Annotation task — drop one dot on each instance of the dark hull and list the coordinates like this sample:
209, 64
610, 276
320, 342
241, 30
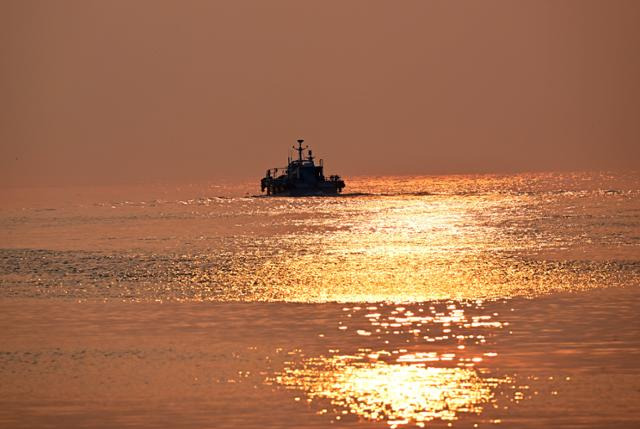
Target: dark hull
320, 189
306, 193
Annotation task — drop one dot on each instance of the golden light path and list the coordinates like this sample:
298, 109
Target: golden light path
411, 364
398, 393
408, 249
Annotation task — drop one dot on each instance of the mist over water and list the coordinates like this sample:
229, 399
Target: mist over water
407, 301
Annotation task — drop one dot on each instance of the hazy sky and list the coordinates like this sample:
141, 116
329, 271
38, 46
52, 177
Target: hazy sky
128, 91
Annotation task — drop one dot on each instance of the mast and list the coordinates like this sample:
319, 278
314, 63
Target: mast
300, 149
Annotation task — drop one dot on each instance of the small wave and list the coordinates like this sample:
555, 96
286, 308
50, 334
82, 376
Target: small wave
389, 194
356, 194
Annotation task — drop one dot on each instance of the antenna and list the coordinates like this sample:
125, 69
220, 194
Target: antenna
300, 149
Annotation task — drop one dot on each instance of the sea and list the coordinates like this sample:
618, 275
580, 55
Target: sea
458, 301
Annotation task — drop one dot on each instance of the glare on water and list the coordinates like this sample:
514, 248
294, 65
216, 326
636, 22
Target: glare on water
396, 393
408, 239
413, 364
406, 302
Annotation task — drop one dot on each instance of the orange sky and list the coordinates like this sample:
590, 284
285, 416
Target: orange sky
135, 91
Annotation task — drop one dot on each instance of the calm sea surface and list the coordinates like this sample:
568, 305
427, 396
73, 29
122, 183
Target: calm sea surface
451, 301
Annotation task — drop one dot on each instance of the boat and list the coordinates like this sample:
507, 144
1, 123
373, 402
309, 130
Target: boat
301, 177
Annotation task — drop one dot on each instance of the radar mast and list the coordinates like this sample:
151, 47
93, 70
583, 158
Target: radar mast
300, 149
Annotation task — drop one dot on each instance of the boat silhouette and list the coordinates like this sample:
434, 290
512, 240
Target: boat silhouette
301, 177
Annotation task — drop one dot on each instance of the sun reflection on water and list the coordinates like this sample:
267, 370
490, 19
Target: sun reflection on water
398, 392
397, 239
416, 249
409, 363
